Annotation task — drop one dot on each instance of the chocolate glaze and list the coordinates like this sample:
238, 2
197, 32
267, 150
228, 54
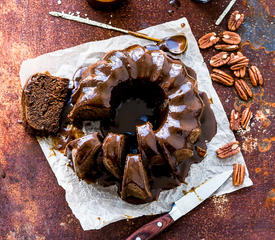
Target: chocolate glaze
147, 89
175, 44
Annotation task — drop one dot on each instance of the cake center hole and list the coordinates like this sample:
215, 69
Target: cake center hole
134, 102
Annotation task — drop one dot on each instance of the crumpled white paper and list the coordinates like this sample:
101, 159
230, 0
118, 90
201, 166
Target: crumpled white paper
96, 206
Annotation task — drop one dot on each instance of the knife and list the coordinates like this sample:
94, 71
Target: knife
182, 206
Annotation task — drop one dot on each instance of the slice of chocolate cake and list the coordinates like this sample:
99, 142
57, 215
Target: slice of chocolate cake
83, 151
113, 147
43, 99
135, 181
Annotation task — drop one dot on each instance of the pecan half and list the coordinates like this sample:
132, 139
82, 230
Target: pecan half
201, 152
208, 40
219, 59
235, 21
255, 75
231, 37
240, 73
238, 174
237, 61
245, 119
228, 150
227, 47
243, 89
222, 77
234, 120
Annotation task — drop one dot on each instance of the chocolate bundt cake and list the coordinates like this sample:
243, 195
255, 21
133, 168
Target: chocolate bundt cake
43, 99
150, 112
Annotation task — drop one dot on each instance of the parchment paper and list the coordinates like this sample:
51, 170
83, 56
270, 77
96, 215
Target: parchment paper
94, 205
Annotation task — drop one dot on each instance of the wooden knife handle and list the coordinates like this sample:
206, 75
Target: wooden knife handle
153, 228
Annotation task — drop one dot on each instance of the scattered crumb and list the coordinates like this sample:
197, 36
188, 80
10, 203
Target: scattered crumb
85, 14
98, 218
110, 22
128, 217
244, 131
221, 205
59, 2
62, 224
258, 170
249, 144
19, 121
227, 100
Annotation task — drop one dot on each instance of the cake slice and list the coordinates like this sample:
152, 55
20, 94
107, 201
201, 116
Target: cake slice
112, 148
43, 99
83, 152
135, 182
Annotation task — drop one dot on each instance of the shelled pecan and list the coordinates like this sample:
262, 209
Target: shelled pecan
246, 116
235, 21
222, 77
240, 73
219, 59
208, 40
238, 174
227, 47
201, 152
255, 75
237, 61
228, 150
231, 37
243, 89
234, 120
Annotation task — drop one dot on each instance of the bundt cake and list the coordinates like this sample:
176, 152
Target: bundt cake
150, 112
43, 99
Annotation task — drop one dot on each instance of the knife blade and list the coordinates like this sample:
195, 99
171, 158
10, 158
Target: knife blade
182, 206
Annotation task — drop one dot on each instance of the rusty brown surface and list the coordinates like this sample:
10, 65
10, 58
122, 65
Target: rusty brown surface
32, 204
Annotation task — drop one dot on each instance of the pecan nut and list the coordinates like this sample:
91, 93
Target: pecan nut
237, 61
243, 89
208, 40
222, 77
201, 152
238, 174
234, 120
255, 75
228, 150
235, 21
246, 117
231, 37
227, 47
240, 73
219, 59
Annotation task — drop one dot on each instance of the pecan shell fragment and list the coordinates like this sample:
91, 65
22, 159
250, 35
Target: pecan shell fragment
231, 37
222, 77
243, 89
235, 21
227, 47
208, 40
255, 75
219, 59
228, 150
238, 174
245, 119
234, 120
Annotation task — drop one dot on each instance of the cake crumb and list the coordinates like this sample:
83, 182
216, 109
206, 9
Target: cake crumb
59, 2
221, 205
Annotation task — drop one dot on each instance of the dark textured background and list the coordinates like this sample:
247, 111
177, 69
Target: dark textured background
32, 204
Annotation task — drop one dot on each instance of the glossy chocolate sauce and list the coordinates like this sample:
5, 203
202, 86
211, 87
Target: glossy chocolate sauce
174, 44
